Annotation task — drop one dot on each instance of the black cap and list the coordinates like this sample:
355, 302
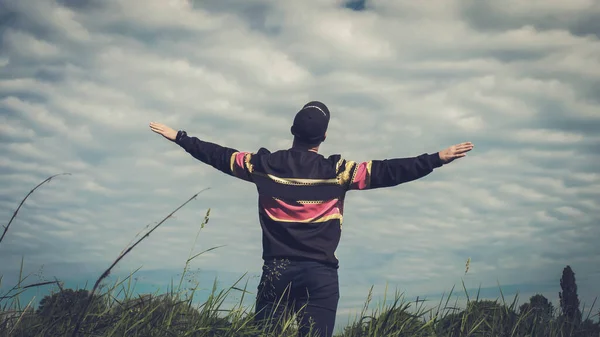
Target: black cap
311, 123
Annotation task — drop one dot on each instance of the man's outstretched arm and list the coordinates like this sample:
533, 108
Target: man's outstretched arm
224, 159
392, 172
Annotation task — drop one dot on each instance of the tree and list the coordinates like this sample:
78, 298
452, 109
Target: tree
484, 317
57, 312
536, 315
68, 302
569, 301
539, 306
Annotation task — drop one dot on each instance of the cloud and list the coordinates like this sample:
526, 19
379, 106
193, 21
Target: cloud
79, 82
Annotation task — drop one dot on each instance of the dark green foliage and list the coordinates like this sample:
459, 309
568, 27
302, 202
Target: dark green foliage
589, 328
485, 317
175, 314
538, 313
116, 312
538, 307
569, 301
56, 313
163, 315
393, 321
68, 302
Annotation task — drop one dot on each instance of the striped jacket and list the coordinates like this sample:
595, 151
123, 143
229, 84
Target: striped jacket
301, 193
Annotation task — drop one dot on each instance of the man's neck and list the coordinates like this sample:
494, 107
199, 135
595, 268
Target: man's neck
306, 148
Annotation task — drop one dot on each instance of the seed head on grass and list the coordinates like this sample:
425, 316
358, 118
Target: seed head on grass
467, 265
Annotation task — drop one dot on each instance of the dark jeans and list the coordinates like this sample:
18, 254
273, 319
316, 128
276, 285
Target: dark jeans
308, 288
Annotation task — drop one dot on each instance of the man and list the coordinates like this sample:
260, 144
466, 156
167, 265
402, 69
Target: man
301, 200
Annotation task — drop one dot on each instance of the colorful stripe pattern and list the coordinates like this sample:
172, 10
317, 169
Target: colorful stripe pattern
240, 165
301, 193
301, 211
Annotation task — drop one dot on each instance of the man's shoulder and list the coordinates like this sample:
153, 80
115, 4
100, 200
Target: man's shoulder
262, 151
333, 158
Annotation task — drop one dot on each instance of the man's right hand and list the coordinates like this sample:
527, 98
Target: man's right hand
455, 152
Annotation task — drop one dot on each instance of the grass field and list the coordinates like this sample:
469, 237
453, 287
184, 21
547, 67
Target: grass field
115, 310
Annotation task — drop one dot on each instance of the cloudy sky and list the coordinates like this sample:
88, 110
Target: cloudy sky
81, 80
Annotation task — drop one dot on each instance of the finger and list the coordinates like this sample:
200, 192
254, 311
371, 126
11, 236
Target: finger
464, 148
461, 147
460, 150
157, 130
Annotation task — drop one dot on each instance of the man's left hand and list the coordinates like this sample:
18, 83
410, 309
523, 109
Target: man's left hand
164, 130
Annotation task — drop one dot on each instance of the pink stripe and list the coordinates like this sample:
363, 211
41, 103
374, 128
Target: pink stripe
239, 166
300, 212
239, 160
361, 178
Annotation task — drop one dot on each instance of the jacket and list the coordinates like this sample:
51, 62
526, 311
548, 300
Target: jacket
301, 193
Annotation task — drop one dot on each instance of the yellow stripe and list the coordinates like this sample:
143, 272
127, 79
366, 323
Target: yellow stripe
338, 165
249, 165
305, 202
232, 161
369, 165
311, 202
298, 182
353, 179
344, 177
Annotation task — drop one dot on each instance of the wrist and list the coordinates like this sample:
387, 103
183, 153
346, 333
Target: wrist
436, 159
180, 134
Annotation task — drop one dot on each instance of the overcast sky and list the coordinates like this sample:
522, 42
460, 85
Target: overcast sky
81, 80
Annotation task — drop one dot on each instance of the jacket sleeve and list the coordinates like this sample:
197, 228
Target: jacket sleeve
227, 160
390, 172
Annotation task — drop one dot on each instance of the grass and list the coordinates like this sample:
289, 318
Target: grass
116, 310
